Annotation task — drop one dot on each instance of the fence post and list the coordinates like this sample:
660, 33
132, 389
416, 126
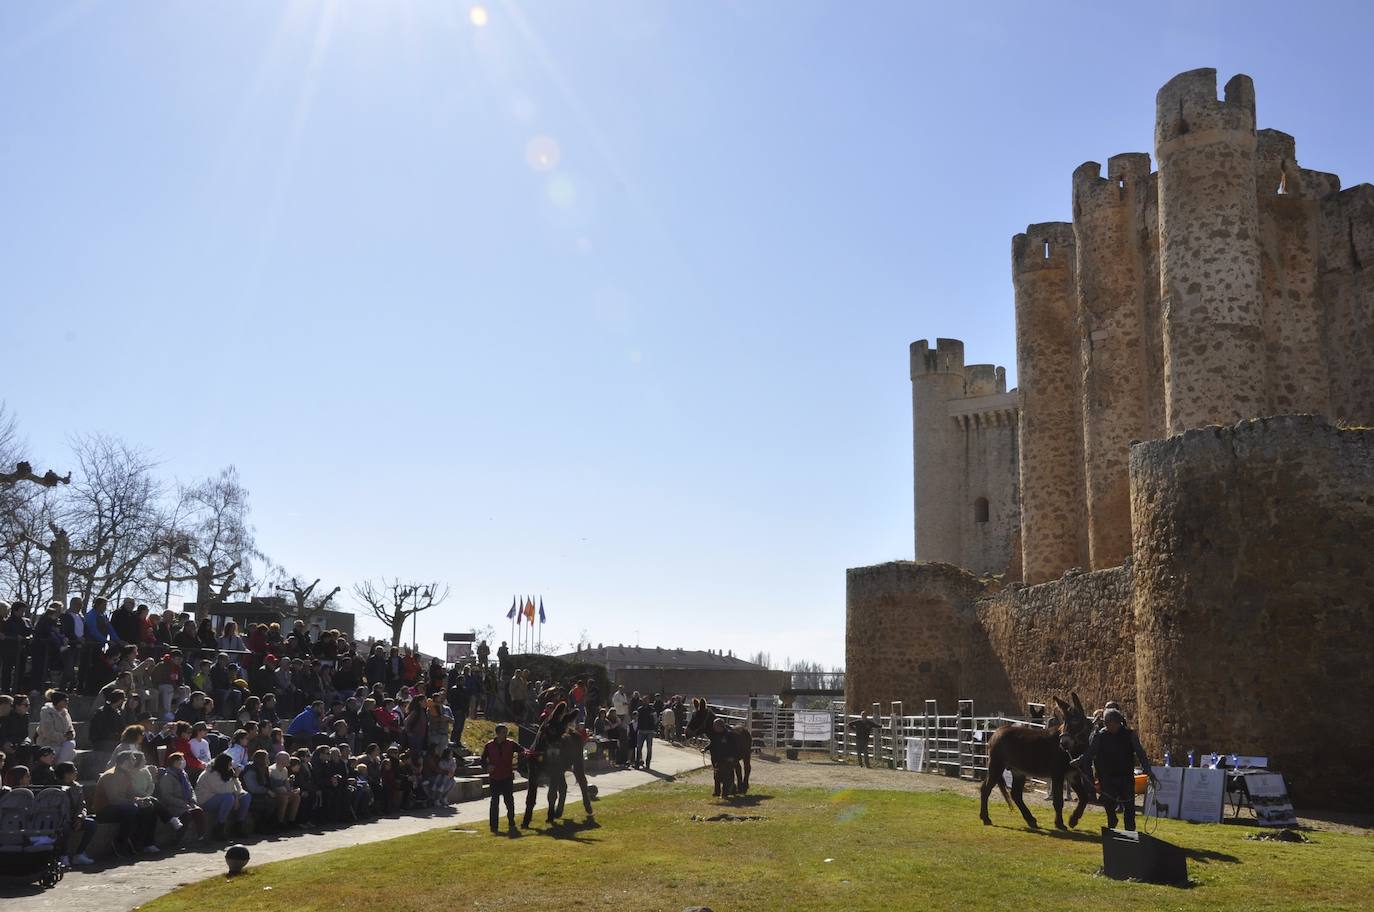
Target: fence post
932, 744
898, 742
966, 738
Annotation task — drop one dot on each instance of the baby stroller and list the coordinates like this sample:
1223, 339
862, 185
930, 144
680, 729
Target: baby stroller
32, 831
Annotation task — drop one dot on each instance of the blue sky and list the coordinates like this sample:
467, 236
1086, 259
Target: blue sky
605, 302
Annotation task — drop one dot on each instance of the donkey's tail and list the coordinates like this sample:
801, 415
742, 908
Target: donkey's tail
1006, 796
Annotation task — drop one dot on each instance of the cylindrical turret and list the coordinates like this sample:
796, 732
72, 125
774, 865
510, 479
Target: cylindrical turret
937, 378
1210, 273
1051, 451
1111, 323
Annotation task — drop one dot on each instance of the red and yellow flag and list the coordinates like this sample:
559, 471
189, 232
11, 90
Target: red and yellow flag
529, 610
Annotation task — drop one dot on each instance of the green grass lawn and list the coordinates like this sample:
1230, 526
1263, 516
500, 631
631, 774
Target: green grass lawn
816, 850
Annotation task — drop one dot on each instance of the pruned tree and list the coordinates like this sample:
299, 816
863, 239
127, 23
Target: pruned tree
208, 541
396, 602
23, 470
305, 602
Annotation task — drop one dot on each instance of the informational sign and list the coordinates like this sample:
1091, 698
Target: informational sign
457, 652
459, 637
1270, 801
915, 754
1204, 793
1164, 799
811, 725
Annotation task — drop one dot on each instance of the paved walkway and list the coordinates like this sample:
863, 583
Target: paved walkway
125, 885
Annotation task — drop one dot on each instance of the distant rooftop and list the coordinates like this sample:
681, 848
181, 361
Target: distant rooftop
658, 657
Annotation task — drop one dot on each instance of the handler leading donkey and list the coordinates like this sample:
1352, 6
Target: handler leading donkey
1045, 753
731, 748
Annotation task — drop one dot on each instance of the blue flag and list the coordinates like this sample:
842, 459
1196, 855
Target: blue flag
541, 609
510, 615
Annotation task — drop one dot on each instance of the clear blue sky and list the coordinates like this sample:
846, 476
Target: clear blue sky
605, 301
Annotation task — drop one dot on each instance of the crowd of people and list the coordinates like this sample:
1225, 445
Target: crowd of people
324, 731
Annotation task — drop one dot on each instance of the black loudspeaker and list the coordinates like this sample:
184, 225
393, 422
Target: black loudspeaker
1136, 856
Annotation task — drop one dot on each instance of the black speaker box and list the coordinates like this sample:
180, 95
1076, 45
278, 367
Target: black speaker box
1136, 856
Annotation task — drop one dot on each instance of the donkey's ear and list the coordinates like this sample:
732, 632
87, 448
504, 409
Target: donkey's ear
1063, 707
1077, 704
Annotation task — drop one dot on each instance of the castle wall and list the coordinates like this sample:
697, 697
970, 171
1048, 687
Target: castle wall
1112, 344
1053, 527
1074, 633
911, 634
1254, 598
1347, 287
989, 428
1210, 269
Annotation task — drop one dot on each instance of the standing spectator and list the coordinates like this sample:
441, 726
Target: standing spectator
219, 791
186, 639
98, 628
115, 801
55, 727
124, 620
205, 635
668, 723
230, 641
375, 670
620, 702
483, 653
15, 634
48, 643
646, 723
503, 660
75, 656
498, 759
166, 676
578, 695
864, 727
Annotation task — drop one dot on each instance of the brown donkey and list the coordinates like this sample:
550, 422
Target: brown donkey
1045, 753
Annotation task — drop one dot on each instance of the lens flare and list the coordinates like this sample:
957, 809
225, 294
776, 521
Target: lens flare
542, 153
478, 16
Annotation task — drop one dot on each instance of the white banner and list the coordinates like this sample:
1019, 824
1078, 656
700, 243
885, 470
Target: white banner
1270, 801
811, 725
915, 754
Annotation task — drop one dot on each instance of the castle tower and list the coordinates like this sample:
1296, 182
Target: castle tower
964, 423
1053, 533
1209, 236
937, 378
1111, 329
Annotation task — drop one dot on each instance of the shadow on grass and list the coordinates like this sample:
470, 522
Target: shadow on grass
1052, 833
746, 801
569, 830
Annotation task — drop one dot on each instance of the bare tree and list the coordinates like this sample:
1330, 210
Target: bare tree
209, 542
23, 470
396, 602
304, 601
108, 524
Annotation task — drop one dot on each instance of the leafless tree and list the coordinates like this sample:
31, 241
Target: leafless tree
209, 541
304, 600
9, 455
108, 522
396, 602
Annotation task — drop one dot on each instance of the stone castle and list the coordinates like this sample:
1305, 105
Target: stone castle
1175, 509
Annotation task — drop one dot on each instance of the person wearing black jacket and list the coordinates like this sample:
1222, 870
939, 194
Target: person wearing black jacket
375, 669
15, 636
646, 723
544, 753
864, 727
1112, 752
109, 722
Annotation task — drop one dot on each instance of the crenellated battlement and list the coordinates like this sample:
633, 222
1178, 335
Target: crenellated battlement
984, 380
1043, 245
1187, 109
946, 358
1092, 191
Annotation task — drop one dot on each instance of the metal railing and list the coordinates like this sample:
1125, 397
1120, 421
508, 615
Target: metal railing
953, 744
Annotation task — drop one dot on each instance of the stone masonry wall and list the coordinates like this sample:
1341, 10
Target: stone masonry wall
911, 634
1254, 599
1074, 633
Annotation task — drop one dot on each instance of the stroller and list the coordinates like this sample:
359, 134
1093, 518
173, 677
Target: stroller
32, 832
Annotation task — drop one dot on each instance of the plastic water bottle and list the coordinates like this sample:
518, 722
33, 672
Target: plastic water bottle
1213, 760
1235, 762
1166, 758
1190, 758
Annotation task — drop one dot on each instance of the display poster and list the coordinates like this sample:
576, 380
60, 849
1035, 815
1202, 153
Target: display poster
812, 725
1204, 793
1270, 801
915, 754
1163, 800
457, 652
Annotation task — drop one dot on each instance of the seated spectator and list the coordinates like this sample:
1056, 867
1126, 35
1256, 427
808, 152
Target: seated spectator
130, 740
222, 686
257, 641
341, 736
205, 635
446, 773
192, 709
176, 794
335, 802
18, 777
186, 639
220, 793
267, 710
364, 797
115, 802
109, 722
80, 826
42, 770
307, 724
201, 751
249, 711
55, 727
166, 677
238, 750
144, 780
181, 744
14, 723
281, 786
303, 780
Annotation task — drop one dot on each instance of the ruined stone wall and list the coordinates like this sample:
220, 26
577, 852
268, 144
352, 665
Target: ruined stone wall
1254, 598
1073, 633
911, 634
1053, 526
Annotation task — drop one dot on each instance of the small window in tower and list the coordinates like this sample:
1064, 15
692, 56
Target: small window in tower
1047, 250
980, 510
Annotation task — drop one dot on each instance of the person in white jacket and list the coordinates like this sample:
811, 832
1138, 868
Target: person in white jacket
55, 727
220, 793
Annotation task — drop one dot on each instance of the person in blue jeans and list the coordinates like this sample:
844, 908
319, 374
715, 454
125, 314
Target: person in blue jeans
646, 724
220, 793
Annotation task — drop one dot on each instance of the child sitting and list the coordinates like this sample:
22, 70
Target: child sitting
444, 777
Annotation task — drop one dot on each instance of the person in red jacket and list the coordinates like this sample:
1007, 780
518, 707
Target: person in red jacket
498, 759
